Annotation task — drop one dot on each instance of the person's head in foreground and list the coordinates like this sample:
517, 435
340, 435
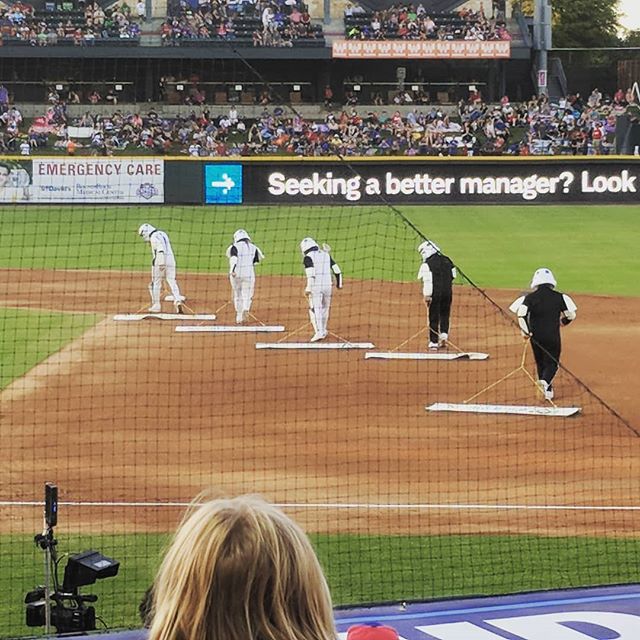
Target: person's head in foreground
239, 569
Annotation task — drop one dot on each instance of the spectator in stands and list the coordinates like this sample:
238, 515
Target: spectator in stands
43, 31
239, 569
52, 96
353, 9
595, 98
271, 24
267, 17
4, 98
328, 96
265, 97
406, 22
629, 96
141, 10
534, 127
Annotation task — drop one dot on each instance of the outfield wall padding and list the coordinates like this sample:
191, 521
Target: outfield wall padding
310, 181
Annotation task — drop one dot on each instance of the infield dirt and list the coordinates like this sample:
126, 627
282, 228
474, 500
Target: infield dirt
133, 412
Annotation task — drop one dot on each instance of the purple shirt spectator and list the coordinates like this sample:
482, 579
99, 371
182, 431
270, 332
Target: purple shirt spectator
4, 97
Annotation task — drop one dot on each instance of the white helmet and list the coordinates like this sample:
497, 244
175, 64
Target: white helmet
427, 248
146, 230
307, 244
543, 276
240, 234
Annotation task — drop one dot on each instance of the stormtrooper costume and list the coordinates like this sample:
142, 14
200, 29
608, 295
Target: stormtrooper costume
163, 266
437, 274
243, 255
318, 267
540, 315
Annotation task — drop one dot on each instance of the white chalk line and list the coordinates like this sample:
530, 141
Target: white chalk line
347, 505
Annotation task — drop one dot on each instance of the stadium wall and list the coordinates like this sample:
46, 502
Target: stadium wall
312, 180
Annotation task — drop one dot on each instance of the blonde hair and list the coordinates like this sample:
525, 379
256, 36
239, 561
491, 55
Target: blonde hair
240, 569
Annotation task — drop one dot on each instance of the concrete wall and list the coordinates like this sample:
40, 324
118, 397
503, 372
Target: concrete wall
311, 111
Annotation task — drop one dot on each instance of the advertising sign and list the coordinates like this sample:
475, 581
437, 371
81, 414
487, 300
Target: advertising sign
542, 78
434, 49
15, 181
577, 614
98, 180
446, 182
223, 184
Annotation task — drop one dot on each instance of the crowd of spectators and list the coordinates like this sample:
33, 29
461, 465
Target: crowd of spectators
407, 21
20, 23
264, 23
570, 126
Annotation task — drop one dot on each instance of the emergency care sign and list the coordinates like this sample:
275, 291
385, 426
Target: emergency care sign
98, 180
551, 181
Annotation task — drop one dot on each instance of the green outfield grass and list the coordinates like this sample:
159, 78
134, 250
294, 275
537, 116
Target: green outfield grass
378, 570
28, 337
592, 249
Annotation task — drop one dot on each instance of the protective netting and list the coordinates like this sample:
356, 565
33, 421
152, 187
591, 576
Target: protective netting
132, 419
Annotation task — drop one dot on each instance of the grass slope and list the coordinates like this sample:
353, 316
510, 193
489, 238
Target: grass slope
28, 337
378, 568
591, 249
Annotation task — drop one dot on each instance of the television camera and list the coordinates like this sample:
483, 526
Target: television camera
62, 606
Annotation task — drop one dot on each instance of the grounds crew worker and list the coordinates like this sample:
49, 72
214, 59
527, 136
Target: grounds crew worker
163, 266
437, 274
243, 255
540, 315
318, 267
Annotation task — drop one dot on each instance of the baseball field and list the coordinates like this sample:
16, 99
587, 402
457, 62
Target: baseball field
132, 420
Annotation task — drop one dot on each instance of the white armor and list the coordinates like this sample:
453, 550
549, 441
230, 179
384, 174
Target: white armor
543, 276
243, 255
163, 266
319, 269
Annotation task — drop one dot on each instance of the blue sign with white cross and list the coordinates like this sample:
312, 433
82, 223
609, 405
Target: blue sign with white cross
223, 184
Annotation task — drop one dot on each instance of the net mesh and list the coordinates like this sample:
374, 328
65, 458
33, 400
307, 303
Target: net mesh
132, 419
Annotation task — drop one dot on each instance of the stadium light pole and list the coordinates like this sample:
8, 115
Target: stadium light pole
542, 42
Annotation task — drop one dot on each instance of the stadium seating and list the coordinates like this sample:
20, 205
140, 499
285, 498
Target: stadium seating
62, 27
188, 28
449, 26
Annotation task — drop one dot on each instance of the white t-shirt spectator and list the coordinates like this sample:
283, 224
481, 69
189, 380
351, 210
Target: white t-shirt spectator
25, 148
267, 17
353, 9
14, 115
141, 9
595, 98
